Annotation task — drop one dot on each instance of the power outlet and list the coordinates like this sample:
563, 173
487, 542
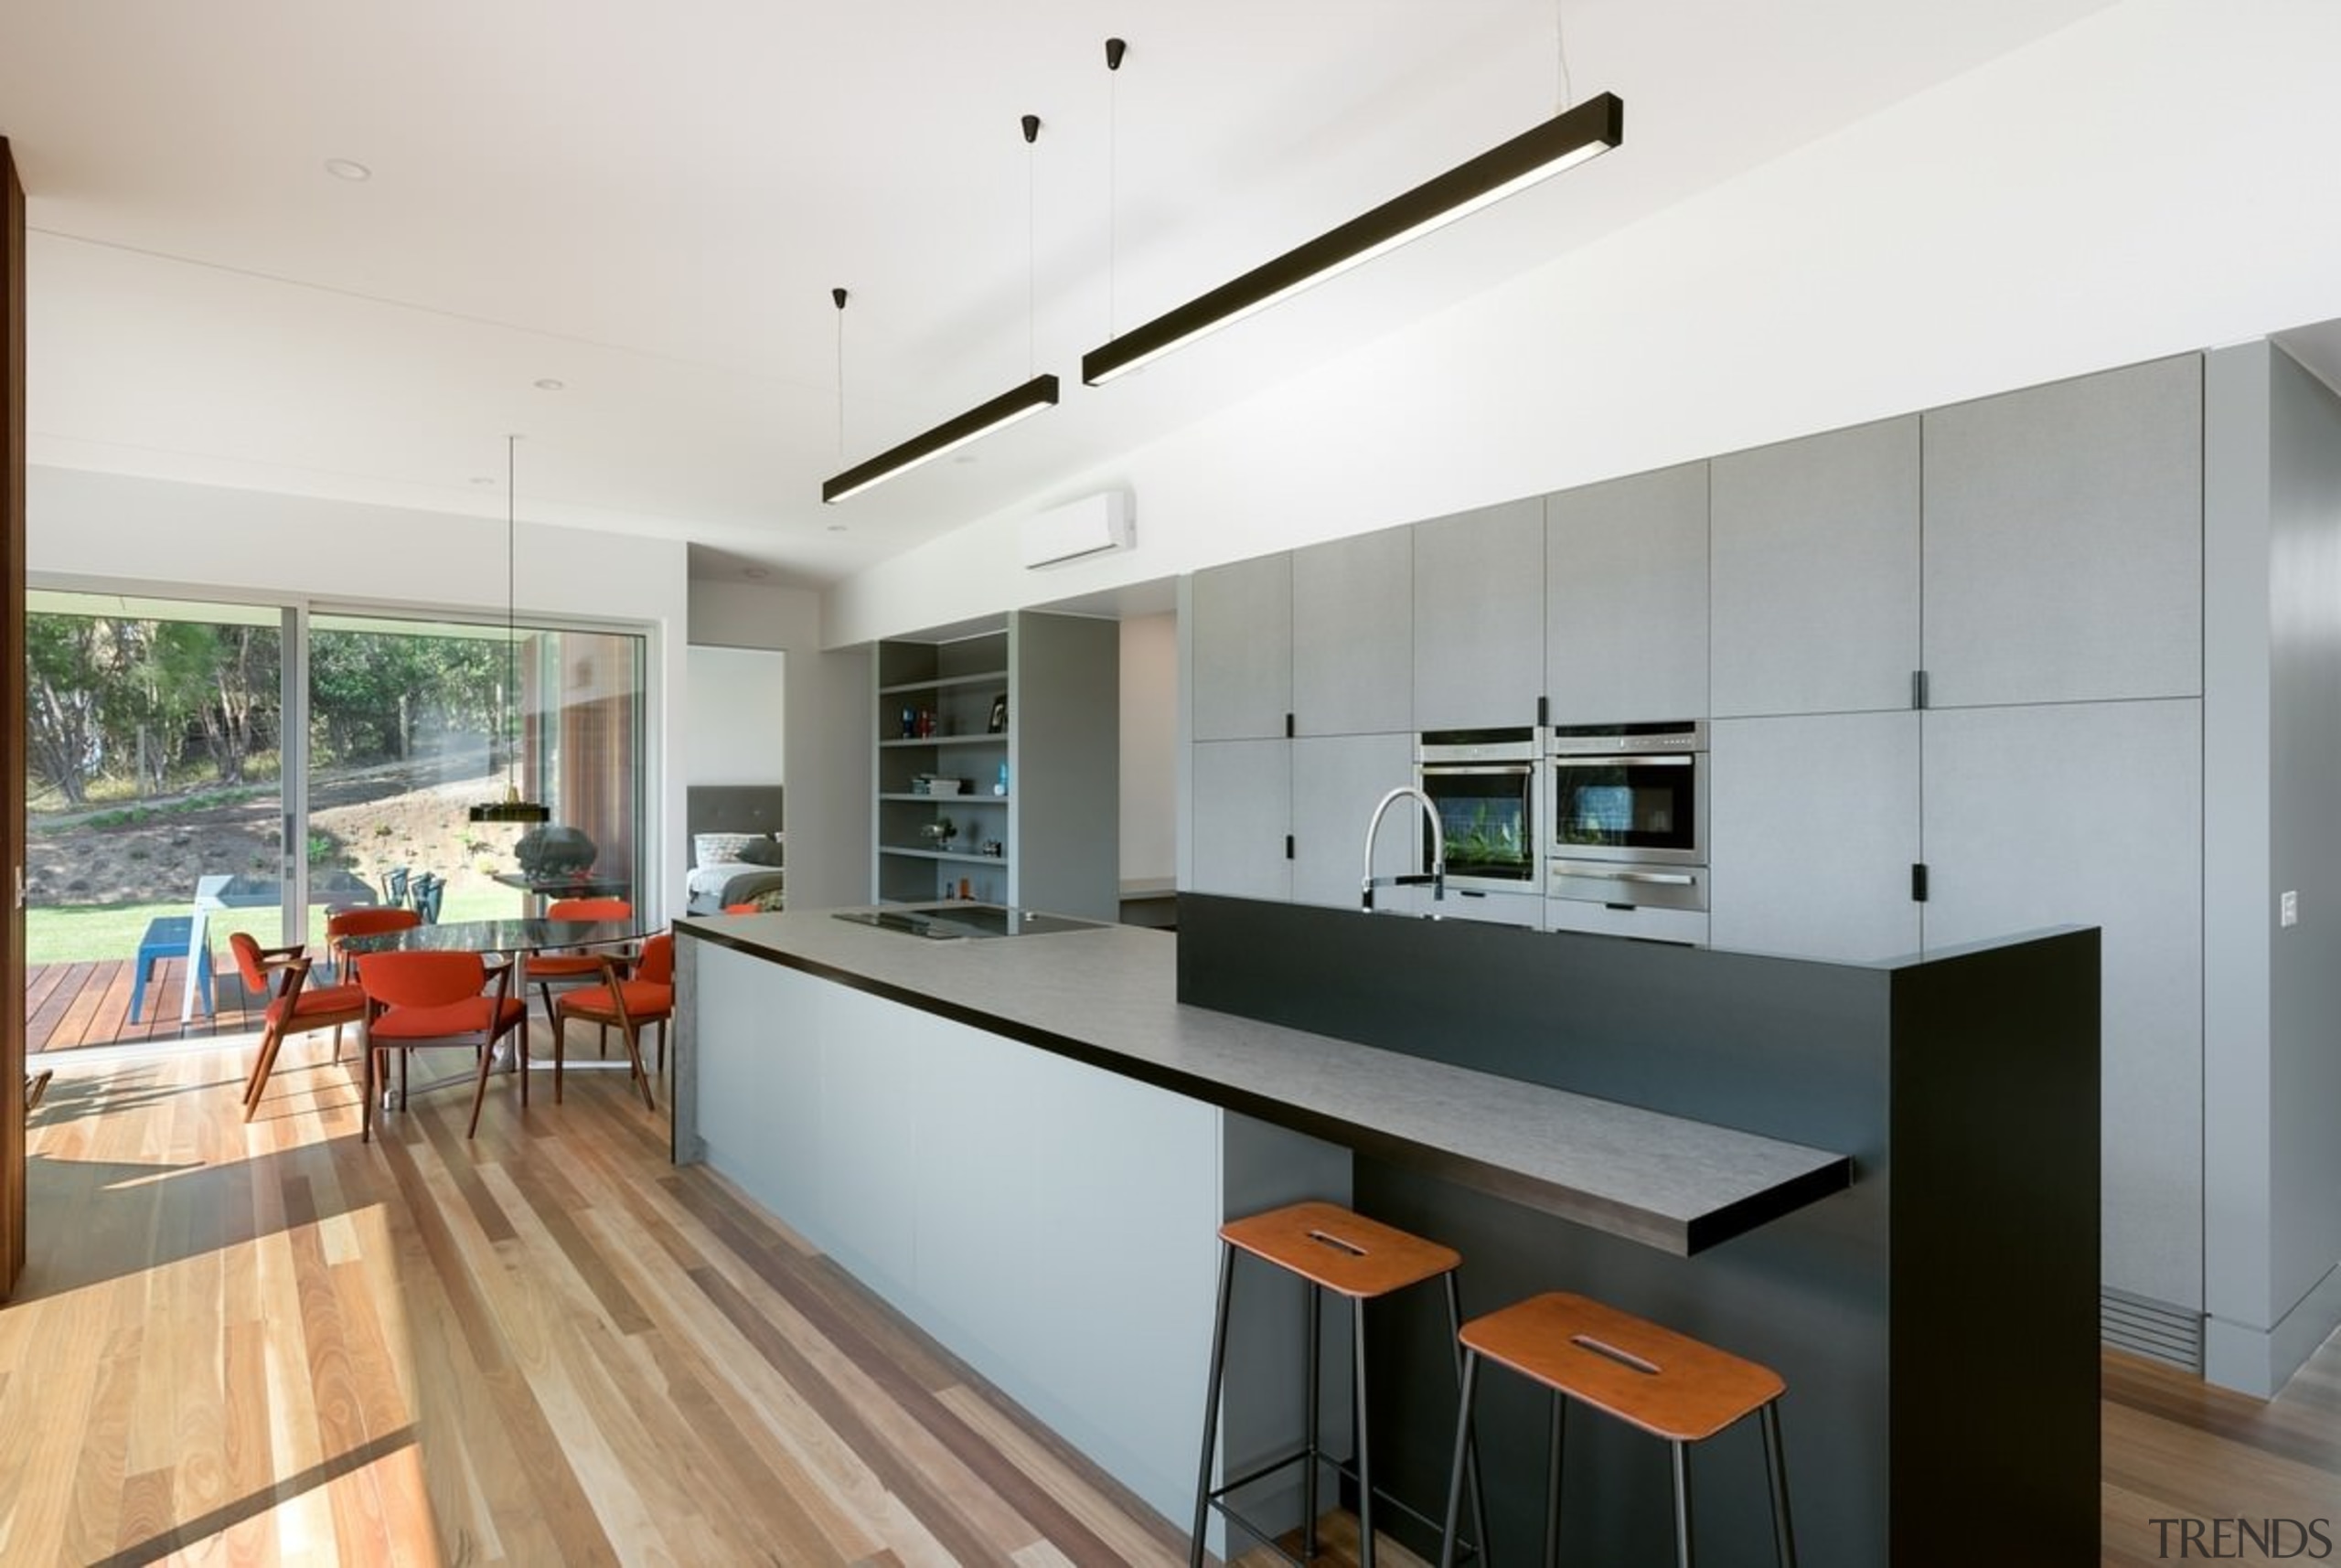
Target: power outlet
2288, 910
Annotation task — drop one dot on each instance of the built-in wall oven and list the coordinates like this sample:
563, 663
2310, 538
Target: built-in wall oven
1629, 814
1483, 784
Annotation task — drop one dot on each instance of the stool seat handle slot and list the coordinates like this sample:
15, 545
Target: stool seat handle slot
1623, 1358
1324, 1239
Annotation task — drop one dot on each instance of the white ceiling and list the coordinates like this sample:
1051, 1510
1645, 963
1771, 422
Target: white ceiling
651, 205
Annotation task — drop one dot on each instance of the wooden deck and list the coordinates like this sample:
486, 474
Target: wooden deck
69, 1006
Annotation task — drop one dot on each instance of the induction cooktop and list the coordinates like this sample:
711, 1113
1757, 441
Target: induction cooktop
955, 922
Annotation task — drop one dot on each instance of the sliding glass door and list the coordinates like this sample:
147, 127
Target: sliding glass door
410, 725
155, 811
204, 768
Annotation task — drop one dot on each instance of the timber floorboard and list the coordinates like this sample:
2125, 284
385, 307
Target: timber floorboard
266, 1343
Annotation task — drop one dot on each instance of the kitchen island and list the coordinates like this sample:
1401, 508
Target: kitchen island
1027, 1145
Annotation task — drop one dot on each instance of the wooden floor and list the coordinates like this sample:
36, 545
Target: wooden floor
270, 1344
70, 1005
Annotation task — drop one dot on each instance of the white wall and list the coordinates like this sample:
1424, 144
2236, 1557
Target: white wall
737, 733
102, 532
1149, 719
2138, 183
827, 735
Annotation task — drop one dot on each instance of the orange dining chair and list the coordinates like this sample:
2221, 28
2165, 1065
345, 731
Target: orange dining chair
294, 1009
646, 997
370, 920
566, 970
423, 998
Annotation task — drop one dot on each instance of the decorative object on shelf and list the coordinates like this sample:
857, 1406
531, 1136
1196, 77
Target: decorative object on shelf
910, 723
938, 833
999, 785
546, 852
1567, 139
511, 808
989, 846
1010, 407
998, 723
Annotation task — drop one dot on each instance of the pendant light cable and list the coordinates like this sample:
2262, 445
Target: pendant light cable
1115, 49
1561, 58
1032, 123
838, 295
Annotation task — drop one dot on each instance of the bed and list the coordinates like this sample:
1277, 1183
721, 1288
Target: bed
736, 845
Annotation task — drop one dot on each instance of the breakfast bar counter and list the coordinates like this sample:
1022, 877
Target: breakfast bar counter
1879, 1180
1106, 996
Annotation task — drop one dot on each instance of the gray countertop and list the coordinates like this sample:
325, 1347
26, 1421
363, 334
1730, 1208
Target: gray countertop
1108, 997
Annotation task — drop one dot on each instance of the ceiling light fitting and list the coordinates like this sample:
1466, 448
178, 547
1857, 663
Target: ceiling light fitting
348, 169
1567, 139
511, 808
1038, 393
1010, 407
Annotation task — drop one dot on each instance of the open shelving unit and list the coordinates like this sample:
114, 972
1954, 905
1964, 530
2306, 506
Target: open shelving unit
1045, 793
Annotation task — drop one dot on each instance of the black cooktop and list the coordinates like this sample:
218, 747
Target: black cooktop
951, 921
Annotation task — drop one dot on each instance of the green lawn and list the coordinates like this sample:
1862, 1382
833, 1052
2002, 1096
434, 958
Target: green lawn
81, 934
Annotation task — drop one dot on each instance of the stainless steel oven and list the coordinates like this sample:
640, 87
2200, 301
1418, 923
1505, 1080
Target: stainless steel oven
1484, 786
1629, 814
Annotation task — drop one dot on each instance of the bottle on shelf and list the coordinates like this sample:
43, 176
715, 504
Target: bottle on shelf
999, 785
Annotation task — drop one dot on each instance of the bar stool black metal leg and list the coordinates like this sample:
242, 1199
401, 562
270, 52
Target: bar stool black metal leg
1470, 1439
1553, 1454
1469, 1378
1364, 1449
1211, 1405
1775, 1464
1682, 1503
1311, 1299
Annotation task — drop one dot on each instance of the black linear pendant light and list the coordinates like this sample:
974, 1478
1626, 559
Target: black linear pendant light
1567, 139
511, 808
1007, 409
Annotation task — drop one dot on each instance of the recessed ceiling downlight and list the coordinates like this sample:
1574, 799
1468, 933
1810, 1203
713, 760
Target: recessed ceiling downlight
348, 169
548, 384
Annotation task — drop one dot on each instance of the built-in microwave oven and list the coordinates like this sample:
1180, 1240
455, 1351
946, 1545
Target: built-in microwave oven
1629, 813
1483, 783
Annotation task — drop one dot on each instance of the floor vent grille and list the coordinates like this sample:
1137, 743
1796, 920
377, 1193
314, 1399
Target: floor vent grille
2148, 1327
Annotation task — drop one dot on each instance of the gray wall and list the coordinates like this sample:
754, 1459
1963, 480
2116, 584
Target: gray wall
2271, 765
828, 720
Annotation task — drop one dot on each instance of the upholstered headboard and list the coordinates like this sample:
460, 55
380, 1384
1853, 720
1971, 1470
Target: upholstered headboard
734, 808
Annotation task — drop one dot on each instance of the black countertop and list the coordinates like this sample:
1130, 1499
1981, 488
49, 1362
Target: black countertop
1108, 997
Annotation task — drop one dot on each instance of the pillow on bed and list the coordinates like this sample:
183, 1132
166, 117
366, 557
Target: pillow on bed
724, 848
760, 852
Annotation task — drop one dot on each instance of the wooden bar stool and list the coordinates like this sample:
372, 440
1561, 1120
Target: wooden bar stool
1329, 1248
1668, 1384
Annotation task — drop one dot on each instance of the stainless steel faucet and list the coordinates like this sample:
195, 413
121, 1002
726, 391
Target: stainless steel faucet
1437, 879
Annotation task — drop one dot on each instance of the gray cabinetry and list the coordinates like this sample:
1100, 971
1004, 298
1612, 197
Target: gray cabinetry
1480, 617
1816, 573
1242, 642
1626, 598
1336, 781
1242, 799
1354, 635
2064, 541
1813, 822
2091, 814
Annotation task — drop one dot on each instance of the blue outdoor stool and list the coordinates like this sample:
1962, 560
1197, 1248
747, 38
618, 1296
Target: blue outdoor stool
168, 936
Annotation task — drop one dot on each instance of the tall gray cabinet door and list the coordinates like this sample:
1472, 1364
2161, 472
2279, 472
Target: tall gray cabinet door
1626, 598
1242, 810
2091, 814
2064, 541
1354, 635
1814, 573
1480, 617
1336, 783
1813, 822
1240, 646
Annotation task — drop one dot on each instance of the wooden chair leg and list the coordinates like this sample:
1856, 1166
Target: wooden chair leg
632, 1035
479, 1089
366, 1052
262, 1065
336, 1045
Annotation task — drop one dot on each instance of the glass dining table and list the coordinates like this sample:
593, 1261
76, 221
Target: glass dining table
511, 939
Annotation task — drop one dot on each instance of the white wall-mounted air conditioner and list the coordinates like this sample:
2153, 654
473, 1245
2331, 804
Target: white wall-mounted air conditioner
1094, 523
